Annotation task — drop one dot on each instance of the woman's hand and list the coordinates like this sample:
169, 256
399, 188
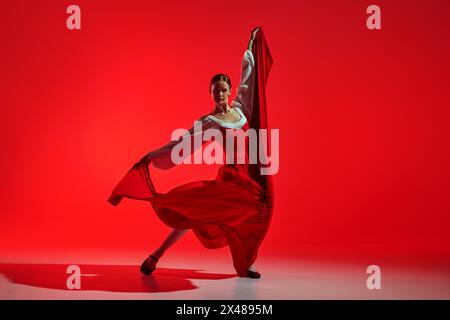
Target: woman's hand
253, 36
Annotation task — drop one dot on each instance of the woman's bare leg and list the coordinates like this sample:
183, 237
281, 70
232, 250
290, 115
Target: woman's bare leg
173, 237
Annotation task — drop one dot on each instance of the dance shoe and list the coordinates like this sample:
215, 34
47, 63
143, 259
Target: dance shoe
147, 270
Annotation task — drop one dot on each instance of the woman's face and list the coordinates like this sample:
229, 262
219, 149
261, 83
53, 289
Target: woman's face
220, 92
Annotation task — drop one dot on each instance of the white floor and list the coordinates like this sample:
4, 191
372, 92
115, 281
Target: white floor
213, 277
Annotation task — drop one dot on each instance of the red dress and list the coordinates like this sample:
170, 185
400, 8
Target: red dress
236, 208
229, 210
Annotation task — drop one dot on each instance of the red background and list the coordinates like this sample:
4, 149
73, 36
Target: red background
363, 118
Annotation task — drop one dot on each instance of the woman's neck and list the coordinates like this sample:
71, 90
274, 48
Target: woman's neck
223, 110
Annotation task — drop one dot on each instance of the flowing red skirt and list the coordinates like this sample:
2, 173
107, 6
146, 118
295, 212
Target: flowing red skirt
229, 210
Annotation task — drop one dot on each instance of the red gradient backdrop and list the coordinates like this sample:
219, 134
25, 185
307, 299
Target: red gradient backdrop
363, 117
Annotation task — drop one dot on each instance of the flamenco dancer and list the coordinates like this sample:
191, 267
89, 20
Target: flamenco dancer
233, 210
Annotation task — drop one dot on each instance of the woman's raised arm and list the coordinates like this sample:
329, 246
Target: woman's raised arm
245, 91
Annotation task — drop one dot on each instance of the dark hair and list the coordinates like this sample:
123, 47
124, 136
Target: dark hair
220, 77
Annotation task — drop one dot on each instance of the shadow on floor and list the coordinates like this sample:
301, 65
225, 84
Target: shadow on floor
113, 278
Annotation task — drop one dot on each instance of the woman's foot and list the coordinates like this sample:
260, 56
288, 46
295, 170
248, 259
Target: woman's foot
253, 274
149, 265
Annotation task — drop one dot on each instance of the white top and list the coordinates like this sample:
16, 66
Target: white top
231, 125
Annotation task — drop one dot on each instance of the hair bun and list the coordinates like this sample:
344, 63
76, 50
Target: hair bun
220, 77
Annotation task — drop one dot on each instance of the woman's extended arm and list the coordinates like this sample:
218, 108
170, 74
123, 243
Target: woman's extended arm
244, 95
162, 157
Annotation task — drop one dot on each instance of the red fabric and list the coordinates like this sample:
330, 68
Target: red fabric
235, 209
263, 62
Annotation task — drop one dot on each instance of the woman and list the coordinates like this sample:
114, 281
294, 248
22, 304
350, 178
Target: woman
235, 209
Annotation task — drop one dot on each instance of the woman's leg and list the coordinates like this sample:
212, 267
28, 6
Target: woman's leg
173, 237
